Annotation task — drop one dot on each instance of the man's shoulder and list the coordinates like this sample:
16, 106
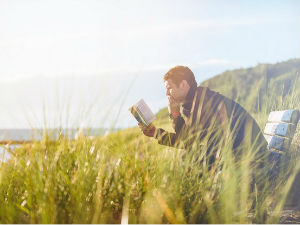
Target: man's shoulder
208, 92
217, 97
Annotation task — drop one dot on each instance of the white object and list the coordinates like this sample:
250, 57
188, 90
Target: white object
280, 129
142, 112
288, 116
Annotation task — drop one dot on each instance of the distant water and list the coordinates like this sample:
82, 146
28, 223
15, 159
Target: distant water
4, 154
37, 134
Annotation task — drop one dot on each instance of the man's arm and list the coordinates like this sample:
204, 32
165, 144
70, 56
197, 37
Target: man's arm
165, 137
168, 138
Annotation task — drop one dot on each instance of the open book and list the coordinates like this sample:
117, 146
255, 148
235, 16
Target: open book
142, 113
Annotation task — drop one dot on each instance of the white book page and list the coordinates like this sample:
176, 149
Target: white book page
146, 111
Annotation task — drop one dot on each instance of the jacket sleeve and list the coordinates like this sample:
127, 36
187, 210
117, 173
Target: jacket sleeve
168, 138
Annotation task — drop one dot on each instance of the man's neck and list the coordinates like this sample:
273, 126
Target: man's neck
188, 101
189, 96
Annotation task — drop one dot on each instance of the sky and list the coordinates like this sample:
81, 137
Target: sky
84, 62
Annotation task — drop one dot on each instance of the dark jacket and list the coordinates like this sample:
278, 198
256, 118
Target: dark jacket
209, 118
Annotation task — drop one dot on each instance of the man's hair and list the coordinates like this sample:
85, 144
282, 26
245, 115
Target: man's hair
180, 73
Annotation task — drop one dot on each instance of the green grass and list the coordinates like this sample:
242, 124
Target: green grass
126, 175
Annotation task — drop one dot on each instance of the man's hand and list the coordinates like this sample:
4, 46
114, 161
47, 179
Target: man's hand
173, 106
148, 130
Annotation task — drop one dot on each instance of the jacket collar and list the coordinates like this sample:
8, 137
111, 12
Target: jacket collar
188, 102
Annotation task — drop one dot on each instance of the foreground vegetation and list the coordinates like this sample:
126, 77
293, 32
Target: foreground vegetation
125, 176
121, 176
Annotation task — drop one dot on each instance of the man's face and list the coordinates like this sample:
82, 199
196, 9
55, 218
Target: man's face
177, 92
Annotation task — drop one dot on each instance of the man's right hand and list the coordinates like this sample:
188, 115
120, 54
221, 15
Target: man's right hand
148, 130
173, 106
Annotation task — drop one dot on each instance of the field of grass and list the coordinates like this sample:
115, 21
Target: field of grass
127, 177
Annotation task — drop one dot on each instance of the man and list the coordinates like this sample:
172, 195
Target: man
202, 117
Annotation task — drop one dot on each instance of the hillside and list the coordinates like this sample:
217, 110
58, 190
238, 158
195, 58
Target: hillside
259, 89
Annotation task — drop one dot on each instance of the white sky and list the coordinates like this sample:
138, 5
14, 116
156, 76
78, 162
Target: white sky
105, 43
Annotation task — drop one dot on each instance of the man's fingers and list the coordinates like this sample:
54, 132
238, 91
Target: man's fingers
143, 128
171, 99
147, 130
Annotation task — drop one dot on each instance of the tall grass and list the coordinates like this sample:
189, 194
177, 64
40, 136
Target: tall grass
126, 177
94, 181
102, 180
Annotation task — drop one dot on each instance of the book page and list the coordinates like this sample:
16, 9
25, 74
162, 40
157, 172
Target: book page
146, 111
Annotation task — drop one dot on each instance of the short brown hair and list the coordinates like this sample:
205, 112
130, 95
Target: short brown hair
180, 73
